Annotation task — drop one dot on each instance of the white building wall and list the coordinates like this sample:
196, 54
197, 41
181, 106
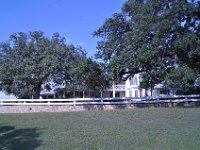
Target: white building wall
115, 90
4, 95
133, 87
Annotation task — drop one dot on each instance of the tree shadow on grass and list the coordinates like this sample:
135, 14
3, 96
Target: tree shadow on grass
12, 138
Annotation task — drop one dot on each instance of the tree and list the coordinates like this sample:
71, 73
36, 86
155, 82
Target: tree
90, 75
30, 60
27, 61
68, 57
182, 77
66, 72
150, 78
151, 36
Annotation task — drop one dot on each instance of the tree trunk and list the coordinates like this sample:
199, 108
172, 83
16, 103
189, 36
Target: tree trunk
36, 91
151, 90
64, 93
83, 94
101, 93
146, 92
74, 94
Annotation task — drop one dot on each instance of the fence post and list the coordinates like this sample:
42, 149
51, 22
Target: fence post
74, 103
101, 101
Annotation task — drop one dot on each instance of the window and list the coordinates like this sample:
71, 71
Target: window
136, 93
141, 94
111, 94
117, 94
130, 93
134, 80
164, 91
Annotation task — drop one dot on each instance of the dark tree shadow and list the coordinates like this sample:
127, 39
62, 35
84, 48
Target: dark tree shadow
93, 107
12, 138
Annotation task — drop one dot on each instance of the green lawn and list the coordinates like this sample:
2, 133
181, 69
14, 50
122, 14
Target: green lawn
148, 129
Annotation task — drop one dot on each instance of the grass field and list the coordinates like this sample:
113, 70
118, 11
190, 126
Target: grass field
139, 129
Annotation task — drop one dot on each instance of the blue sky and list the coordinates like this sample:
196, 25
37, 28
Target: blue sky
73, 19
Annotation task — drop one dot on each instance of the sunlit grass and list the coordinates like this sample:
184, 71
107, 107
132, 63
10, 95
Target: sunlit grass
152, 128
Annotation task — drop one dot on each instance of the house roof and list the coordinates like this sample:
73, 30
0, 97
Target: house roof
47, 92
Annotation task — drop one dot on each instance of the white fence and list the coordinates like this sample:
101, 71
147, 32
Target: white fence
100, 101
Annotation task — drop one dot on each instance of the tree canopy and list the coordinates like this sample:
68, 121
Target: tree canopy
26, 62
31, 61
90, 75
159, 39
151, 37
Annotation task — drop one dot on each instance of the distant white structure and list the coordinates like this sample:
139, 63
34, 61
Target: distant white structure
115, 90
4, 95
128, 88
133, 88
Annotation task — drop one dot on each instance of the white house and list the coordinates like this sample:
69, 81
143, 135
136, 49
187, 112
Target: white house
115, 90
133, 88
128, 88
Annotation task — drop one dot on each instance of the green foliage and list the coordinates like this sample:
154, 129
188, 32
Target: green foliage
30, 60
150, 78
90, 75
26, 62
152, 37
68, 57
184, 77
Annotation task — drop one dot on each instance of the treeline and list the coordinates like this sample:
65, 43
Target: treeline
159, 39
30, 61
